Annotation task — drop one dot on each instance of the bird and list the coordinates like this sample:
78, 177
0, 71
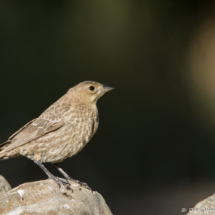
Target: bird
60, 132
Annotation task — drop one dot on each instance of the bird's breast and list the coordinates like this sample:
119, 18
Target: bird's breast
80, 129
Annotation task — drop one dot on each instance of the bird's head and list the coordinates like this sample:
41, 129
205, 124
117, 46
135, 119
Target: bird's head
89, 91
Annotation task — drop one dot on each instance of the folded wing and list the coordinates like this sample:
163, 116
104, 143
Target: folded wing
51, 120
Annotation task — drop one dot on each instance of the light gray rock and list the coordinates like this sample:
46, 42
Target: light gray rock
205, 207
4, 185
45, 197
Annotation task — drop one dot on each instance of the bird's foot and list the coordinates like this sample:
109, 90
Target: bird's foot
83, 184
62, 181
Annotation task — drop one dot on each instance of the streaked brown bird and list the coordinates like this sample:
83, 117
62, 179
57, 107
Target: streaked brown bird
61, 131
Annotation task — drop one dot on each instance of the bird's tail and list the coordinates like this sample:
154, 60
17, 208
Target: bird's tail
3, 154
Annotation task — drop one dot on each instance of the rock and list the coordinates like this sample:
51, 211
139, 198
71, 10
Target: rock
4, 185
205, 207
45, 197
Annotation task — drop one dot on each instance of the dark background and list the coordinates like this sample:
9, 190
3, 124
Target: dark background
155, 148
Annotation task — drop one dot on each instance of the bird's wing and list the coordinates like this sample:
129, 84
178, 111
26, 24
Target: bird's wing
50, 120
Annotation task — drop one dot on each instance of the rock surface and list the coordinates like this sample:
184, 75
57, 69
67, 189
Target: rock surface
205, 207
4, 185
45, 197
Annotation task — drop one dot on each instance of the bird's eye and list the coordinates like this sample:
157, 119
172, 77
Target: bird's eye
91, 88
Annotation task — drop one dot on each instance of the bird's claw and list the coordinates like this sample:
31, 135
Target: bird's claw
82, 184
64, 182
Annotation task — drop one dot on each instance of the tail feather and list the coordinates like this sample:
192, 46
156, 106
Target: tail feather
3, 155
2, 152
5, 144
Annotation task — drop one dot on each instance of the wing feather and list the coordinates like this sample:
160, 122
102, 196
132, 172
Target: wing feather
50, 120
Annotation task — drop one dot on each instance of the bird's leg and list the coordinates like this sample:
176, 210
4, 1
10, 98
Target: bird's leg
57, 180
69, 178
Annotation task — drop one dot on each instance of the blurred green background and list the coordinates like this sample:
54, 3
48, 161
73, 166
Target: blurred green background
154, 150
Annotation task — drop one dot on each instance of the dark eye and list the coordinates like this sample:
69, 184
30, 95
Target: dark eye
91, 88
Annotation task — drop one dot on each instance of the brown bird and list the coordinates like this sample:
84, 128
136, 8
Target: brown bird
61, 131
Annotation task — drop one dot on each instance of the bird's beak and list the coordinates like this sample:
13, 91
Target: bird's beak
106, 89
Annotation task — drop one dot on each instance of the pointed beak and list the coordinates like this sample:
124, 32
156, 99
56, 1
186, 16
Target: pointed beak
106, 88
